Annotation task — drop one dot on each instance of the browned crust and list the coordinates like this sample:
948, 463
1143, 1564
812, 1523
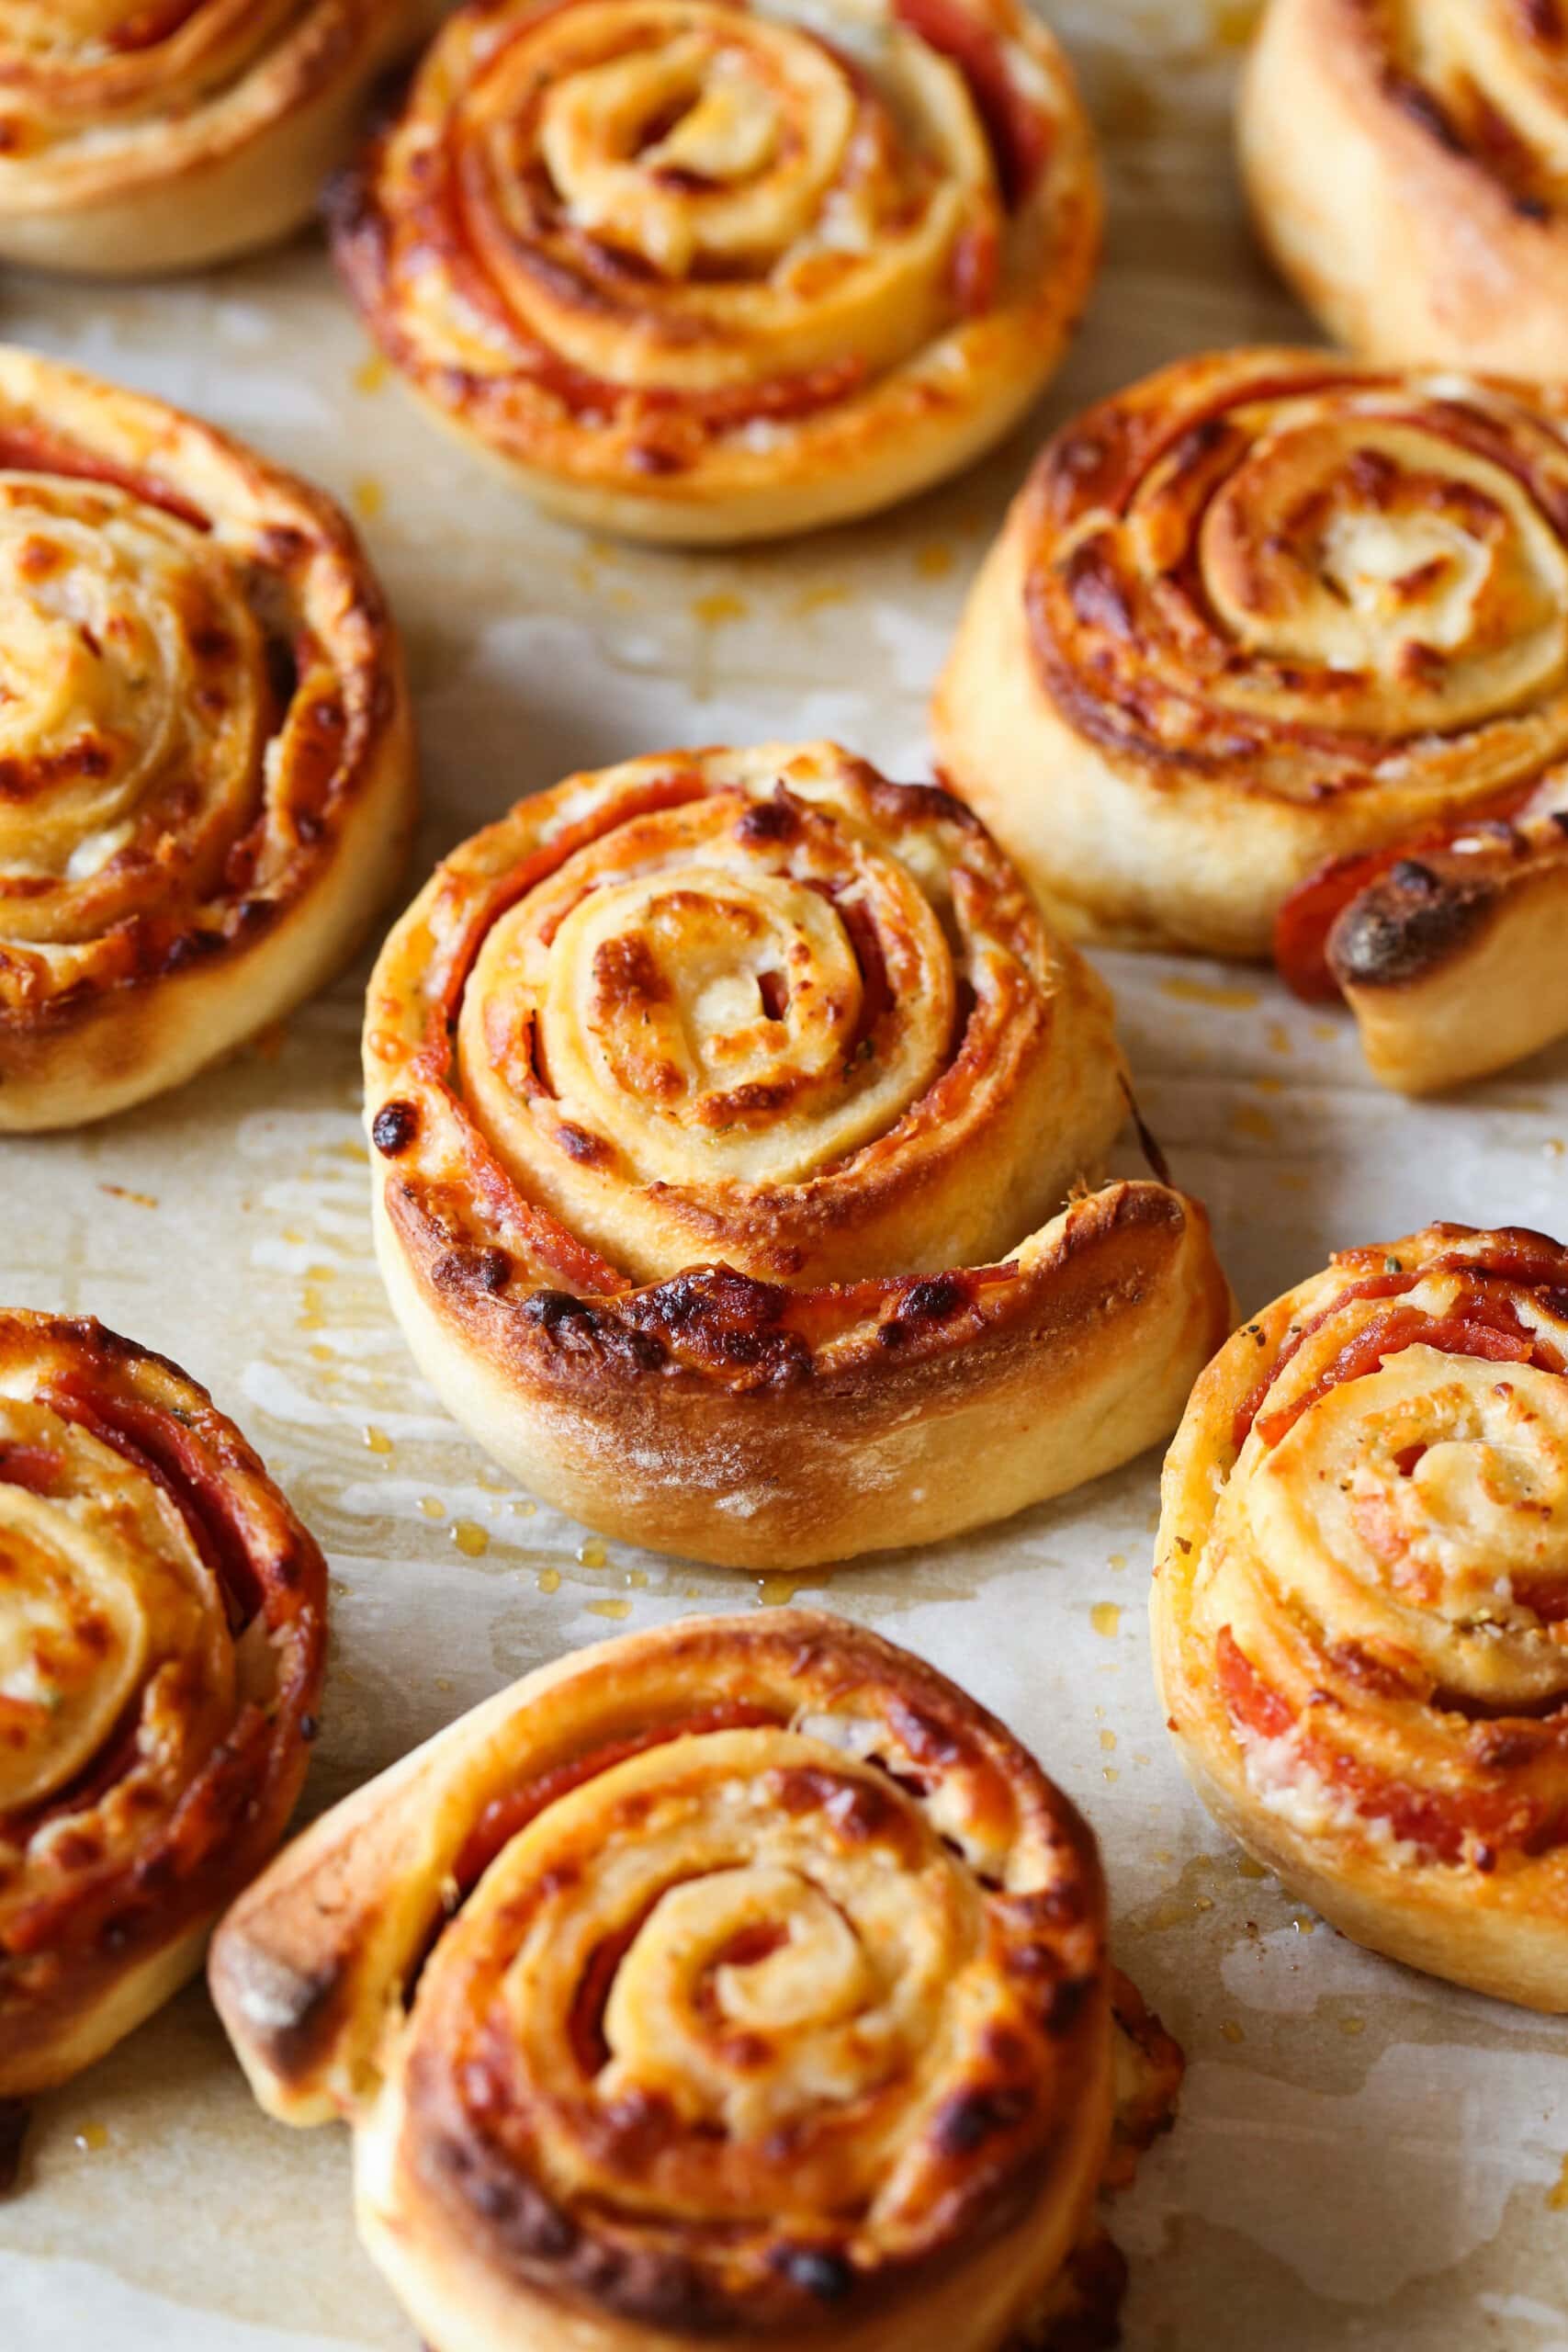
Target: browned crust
1427, 912
1407, 925
711, 1330
61, 1957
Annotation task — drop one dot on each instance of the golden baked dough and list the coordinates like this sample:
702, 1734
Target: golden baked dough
721, 1104
1408, 164
1263, 630
205, 762
163, 1628
1360, 1600
136, 138
740, 1981
702, 271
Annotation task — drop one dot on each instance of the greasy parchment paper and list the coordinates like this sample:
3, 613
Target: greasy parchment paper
1363, 2158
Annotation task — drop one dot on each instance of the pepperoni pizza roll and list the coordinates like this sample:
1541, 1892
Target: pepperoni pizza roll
737, 1982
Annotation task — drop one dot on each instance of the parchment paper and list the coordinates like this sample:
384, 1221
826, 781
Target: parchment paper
1364, 2158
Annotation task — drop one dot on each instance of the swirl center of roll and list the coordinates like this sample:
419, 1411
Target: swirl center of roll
680, 193
725, 1968
728, 993
733, 1963
132, 694
1392, 558
689, 155
1422, 1510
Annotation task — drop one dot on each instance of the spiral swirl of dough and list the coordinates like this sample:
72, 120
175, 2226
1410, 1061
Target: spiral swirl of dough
161, 1634
1408, 166
1263, 610
769, 1994
205, 771
1362, 1603
703, 258
725, 1073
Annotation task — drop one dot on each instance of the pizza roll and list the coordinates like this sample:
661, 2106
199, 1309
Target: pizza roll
723, 1107
1360, 1602
206, 778
163, 1628
1264, 631
695, 270
738, 1981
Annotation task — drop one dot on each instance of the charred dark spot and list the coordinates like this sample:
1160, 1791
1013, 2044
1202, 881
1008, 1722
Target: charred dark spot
1061, 1906
1405, 924
1200, 442
932, 1301
486, 1270
527, 2219
1065, 2003
971, 2117
816, 2270
927, 1738
555, 1310
1503, 1748
729, 1318
777, 820
587, 1150
394, 1127
580, 1328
